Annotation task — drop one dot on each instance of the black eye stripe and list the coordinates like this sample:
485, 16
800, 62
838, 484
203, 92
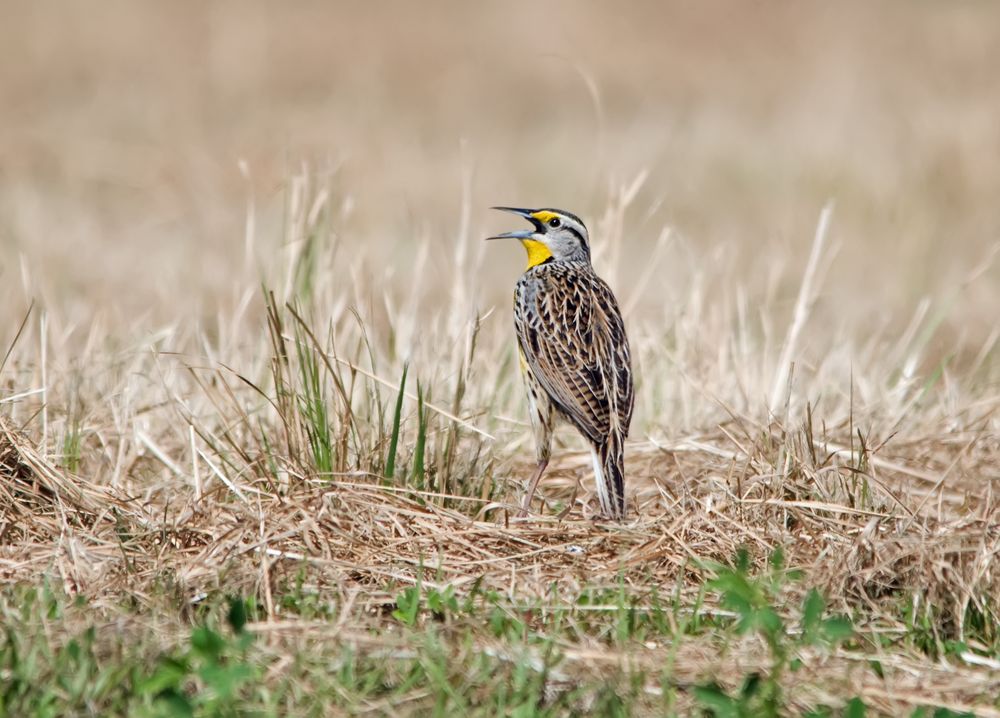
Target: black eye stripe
564, 222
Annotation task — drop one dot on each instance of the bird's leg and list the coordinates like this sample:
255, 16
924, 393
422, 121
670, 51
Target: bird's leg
539, 470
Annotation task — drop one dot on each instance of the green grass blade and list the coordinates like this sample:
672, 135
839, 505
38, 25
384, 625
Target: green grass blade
390, 460
418, 451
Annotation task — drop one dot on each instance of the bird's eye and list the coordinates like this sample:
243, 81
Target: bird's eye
554, 222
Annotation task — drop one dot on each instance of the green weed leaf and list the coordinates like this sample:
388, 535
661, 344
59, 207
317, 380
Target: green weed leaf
855, 708
170, 673
715, 700
812, 612
837, 629
207, 643
237, 615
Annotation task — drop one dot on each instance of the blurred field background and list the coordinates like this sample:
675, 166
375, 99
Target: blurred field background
123, 127
160, 163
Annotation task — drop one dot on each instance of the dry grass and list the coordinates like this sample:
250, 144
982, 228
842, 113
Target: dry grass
231, 249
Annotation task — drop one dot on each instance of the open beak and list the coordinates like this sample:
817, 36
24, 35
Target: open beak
522, 234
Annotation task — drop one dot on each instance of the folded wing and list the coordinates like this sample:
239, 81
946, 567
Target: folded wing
573, 339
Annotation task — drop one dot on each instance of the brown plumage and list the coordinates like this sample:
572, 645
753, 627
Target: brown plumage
574, 350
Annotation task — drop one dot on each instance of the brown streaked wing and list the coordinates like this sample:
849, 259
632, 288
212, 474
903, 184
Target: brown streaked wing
573, 338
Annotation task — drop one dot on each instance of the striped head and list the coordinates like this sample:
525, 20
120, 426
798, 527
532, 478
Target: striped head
556, 236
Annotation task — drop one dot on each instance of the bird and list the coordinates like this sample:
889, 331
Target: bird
573, 349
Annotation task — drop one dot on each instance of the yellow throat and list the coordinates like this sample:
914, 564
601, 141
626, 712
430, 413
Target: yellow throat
537, 252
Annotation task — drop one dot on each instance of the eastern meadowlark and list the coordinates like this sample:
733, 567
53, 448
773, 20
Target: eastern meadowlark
573, 348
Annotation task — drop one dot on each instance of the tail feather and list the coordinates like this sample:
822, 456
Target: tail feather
609, 473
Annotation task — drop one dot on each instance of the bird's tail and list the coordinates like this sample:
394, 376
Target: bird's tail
609, 472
